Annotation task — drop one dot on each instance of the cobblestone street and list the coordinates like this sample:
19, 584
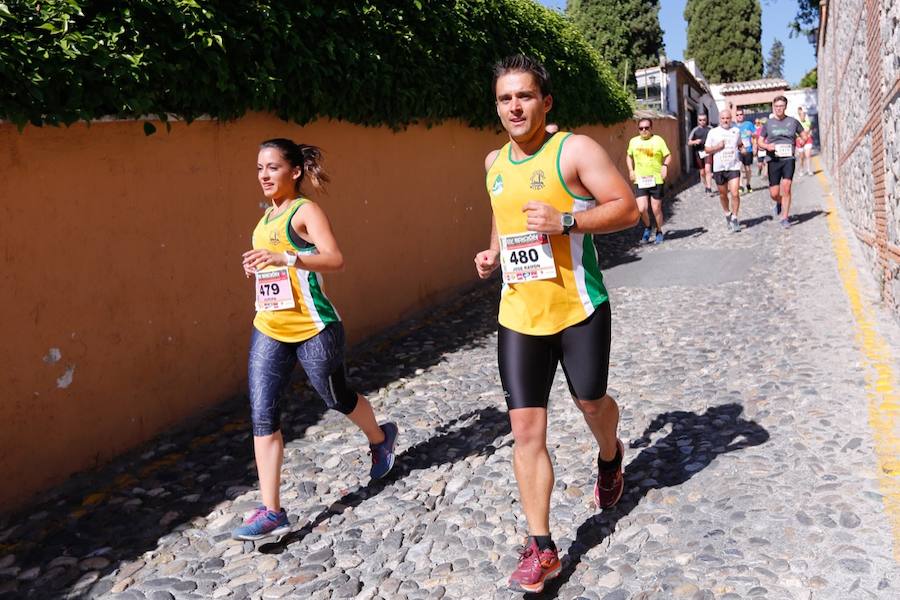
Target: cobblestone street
751, 466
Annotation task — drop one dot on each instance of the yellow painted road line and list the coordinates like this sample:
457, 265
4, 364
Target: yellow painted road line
883, 398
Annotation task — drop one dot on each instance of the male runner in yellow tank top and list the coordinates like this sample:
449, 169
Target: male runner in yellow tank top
549, 193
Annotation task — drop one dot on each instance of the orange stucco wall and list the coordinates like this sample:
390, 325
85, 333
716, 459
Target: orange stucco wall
124, 306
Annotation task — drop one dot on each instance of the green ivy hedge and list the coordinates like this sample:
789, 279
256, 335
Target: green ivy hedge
373, 62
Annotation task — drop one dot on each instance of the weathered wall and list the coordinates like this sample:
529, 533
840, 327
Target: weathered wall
859, 125
124, 306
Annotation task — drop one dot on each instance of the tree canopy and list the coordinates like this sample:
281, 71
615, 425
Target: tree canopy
723, 36
372, 62
625, 32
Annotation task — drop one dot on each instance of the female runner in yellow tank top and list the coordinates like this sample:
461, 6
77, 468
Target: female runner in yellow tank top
295, 321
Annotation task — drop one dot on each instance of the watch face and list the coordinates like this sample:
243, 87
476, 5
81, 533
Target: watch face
568, 220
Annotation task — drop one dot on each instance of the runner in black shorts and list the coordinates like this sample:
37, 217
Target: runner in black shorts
748, 133
724, 144
648, 159
697, 142
528, 362
779, 135
554, 307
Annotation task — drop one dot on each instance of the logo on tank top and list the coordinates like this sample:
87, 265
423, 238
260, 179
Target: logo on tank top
497, 187
537, 180
273, 237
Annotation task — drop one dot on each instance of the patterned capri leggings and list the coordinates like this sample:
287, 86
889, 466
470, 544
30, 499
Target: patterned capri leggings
270, 365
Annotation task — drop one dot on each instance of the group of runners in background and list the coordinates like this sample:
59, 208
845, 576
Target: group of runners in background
724, 157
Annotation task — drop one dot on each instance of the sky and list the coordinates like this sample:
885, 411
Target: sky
799, 55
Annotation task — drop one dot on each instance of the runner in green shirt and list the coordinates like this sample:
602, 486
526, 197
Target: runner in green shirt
648, 164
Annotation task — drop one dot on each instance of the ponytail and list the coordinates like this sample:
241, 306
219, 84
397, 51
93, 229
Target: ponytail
312, 166
308, 158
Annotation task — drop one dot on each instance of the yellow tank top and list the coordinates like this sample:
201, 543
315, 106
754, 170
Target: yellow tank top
312, 309
546, 306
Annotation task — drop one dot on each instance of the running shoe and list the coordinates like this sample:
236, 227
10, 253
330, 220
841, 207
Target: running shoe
735, 224
383, 453
659, 237
748, 189
728, 222
263, 523
776, 210
535, 567
646, 236
610, 484
785, 224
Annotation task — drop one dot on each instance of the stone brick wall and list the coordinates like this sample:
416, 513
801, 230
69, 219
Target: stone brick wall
859, 124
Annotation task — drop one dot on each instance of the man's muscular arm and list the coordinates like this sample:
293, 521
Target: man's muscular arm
588, 169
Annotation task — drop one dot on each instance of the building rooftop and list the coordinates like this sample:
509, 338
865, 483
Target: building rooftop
757, 85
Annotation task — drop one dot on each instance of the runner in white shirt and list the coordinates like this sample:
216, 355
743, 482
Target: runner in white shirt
724, 145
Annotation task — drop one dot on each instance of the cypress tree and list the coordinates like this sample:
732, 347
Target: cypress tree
775, 63
723, 36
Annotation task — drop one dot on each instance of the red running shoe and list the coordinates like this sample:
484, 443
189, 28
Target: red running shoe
610, 484
535, 567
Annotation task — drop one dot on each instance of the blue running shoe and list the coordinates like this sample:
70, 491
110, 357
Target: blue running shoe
646, 236
659, 237
785, 224
383, 453
263, 523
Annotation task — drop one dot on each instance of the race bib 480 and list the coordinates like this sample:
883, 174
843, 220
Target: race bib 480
526, 257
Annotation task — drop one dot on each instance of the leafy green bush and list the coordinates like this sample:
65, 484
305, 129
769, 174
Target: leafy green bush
810, 80
373, 62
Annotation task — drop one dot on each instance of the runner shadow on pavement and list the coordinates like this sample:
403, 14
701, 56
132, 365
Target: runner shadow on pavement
748, 223
453, 443
804, 217
675, 234
694, 442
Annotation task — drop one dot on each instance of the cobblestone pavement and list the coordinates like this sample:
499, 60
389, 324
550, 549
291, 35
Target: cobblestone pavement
750, 464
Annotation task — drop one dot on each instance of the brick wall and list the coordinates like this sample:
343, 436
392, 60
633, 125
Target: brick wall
859, 124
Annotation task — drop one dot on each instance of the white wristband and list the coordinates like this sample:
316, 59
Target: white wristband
290, 259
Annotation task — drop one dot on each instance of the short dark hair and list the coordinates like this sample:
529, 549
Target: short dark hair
524, 64
648, 119
779, 99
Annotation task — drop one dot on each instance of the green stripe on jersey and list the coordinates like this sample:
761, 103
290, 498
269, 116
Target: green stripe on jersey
593, 278
326, 311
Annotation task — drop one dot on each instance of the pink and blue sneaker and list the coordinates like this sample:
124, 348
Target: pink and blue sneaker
263, 523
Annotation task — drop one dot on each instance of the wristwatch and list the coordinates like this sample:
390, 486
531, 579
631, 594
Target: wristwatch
290, 258
568, 222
